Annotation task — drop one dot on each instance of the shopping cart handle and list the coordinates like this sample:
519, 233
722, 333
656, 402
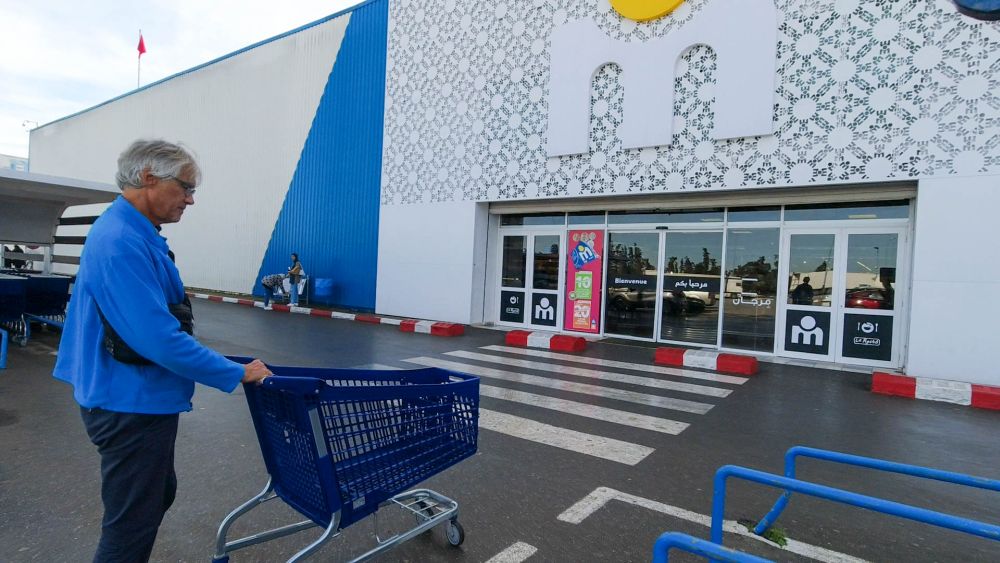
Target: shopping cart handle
294, 384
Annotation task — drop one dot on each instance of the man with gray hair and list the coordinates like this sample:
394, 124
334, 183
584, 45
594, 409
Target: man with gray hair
127, 346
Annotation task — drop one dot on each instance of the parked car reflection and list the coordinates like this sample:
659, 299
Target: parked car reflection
675, 303
868, 298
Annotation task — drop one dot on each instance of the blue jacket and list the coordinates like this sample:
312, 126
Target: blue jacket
125, 270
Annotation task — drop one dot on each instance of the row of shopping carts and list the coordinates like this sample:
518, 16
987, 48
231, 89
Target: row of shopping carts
27, 298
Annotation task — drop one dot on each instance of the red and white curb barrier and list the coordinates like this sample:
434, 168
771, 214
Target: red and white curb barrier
405, 325
546, 340
706, 359
431, 327
956, 392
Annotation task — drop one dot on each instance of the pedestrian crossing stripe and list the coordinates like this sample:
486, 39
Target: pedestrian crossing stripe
596, 446
634, 420
572, 387
594, 374
601, 362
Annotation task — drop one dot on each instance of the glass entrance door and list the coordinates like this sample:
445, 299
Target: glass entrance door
664, 286
530, 279
839, 298
631, 303
809, 305
692, 275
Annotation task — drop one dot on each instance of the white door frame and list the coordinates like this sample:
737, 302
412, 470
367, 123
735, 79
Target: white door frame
530, 233
837, 308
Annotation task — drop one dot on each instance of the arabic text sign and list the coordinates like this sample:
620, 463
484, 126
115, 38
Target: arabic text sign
691, 283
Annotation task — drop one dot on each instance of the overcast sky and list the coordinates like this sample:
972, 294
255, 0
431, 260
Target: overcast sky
63, 56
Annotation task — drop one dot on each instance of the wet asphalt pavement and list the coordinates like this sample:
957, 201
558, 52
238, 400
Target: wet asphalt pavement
514, 489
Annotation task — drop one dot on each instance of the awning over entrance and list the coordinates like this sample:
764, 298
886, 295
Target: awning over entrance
31, 204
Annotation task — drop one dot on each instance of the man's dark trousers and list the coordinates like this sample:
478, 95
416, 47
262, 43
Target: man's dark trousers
138, 483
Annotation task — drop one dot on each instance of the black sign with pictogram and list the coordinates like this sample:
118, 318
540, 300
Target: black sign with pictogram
868, 337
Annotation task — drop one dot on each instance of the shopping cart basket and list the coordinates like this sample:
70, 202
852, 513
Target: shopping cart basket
340, 443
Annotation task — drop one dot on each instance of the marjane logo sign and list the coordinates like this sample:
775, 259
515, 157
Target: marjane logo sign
743, 34
644, 10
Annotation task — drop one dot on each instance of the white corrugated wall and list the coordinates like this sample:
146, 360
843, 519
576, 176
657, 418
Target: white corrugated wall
246, 116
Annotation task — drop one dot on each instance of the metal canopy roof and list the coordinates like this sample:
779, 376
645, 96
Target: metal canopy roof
31, 204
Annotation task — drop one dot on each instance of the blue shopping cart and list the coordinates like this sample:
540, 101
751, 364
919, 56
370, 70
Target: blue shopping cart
338, 444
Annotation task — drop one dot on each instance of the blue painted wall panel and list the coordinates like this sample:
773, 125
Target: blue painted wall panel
330, 213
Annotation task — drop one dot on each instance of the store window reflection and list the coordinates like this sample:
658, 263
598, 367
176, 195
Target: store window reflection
751, 292
811, 269
691, 284
546, 268
871, 271
513, 261
631, 293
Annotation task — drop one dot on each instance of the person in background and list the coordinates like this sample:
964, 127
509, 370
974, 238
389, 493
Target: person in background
271, 283
803, 293
128, 351
294, 276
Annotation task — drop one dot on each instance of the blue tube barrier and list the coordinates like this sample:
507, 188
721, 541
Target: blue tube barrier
3, 349
697, 546
871, 463
973, 527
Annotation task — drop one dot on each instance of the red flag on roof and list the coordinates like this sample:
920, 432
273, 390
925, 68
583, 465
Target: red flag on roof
142, 45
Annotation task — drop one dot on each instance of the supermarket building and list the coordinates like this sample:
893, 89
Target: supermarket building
806, 179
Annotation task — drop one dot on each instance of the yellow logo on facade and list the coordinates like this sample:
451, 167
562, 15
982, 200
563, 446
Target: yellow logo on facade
644, 10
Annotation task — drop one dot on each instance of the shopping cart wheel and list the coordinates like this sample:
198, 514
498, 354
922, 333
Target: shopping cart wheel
456, 533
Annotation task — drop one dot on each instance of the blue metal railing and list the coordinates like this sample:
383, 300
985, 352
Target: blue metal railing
3, 348
973, 527
871, 463
684, 542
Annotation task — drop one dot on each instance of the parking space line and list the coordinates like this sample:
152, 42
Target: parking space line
662, 370
594, 374
597, 446
664, 425
514, 554
602, 495
594, 390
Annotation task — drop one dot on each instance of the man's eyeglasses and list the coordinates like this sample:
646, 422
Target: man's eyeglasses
188, 187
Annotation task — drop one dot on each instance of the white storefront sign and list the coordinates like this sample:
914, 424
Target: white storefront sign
743, 34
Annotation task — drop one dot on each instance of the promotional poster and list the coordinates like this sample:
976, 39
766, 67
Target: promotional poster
584, 268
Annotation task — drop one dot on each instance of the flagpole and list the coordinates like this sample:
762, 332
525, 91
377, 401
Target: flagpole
138, 67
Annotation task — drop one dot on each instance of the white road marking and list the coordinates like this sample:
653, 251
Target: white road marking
601, 495
615, 416
579, 442
595, 390
594, 374
663, 370
514, 554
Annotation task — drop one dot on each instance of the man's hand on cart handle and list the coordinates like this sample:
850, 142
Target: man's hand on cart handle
255, 372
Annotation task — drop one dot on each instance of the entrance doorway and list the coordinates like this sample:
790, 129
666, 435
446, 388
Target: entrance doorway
839, 301
664, 285
531, 279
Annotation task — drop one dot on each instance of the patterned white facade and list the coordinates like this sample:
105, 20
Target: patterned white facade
867, 91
